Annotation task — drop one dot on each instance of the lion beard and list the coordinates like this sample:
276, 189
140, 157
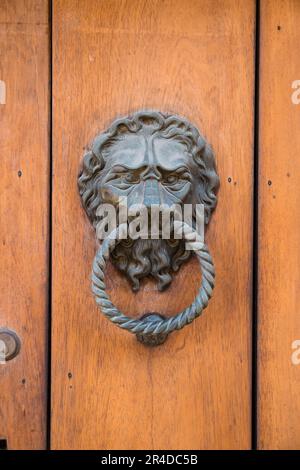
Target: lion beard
157, 258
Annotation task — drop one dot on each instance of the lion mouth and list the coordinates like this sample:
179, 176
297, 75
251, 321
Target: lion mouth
141, 258
156, 227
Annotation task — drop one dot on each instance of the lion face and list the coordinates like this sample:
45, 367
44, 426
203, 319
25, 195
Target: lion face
147, 170
152, 159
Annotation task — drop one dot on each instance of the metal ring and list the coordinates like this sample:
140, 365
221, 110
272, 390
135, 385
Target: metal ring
155, 326
11, 342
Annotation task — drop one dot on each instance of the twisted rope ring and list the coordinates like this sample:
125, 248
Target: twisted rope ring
157, 326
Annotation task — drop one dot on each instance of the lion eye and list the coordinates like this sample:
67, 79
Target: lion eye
131, 178
171, 179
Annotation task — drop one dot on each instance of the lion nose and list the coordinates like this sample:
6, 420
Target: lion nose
151, 192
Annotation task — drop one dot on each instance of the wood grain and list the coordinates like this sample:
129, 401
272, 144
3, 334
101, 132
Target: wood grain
279, 227
24, 182
194, 58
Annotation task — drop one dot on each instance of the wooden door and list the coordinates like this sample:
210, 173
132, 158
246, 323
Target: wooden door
279, 227
68, 68
194, 58
24, 219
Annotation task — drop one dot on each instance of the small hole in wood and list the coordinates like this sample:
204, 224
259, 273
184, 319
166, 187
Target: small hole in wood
3, 444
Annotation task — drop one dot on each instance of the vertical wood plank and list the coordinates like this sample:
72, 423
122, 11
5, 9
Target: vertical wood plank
279, 227
194, 58
24, 201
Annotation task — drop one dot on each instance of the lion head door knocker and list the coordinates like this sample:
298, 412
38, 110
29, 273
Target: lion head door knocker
149, 160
